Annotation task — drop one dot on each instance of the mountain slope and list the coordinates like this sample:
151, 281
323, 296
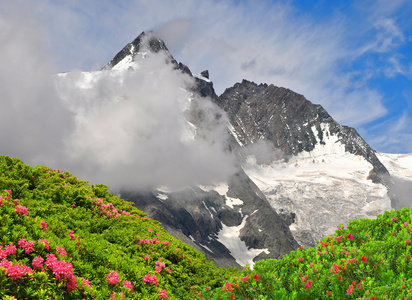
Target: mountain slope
293, 175
324, 173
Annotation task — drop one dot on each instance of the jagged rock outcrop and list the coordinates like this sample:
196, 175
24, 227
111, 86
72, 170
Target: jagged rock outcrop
288, 120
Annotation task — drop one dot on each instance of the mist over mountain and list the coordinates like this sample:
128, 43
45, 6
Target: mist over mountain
246, 175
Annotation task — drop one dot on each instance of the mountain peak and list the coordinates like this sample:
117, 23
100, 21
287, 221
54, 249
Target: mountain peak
144, 42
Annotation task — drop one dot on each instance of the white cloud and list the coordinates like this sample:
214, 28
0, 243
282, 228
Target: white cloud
33, 120
120, 130
132, 129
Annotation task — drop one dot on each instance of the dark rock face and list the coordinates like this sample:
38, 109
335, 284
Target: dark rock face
199, 215
288, 120
153, 44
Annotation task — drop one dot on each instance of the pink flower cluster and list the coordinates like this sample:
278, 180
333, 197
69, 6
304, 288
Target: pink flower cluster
28, 246
71, 235
45, 243
159, 266
61, 251
125, 212
21, 210
9, 250
15, 271
112, 277
150, 279
62, 271
308, 284
153, 241
37, 263
128, 285
87, 283
7, 198
43, 225
107, 209
163, 294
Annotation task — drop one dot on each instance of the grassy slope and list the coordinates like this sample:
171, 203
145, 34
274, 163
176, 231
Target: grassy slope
371, 259
97, 237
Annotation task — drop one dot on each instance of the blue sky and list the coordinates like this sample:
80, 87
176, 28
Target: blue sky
352, 57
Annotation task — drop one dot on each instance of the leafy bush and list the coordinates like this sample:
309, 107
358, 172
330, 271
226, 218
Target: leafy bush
371, 259
62, 238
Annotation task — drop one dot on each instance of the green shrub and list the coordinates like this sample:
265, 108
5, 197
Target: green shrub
62, 238
371, 259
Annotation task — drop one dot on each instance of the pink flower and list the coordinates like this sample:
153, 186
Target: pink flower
150, 279
350, 236
71, 235
5, 264
87, 283
18, 271
324, 244
71, 283
61, 251
43, 225
63, 271
300, 259
28, 246
408, 241
256, 277
160, 264
51, 260
364, 259
350, 289
128, 285
351, 261
45, 243
163, 294
244, 279
405, 224
10, 250
308, 284
338, 238
21, 210
146, 257
37, 263
150, 230
394, 219
112, 277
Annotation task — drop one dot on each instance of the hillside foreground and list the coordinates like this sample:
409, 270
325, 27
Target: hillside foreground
62, 238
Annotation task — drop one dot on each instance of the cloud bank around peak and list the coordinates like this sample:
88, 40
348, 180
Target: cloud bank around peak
120, 128
133, 131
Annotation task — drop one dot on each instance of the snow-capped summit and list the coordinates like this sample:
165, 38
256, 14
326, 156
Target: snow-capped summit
141, 45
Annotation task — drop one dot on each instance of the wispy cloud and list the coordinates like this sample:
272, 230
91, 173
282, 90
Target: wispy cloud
397, 133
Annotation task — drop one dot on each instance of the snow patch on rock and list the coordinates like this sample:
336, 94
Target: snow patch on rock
229, 237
